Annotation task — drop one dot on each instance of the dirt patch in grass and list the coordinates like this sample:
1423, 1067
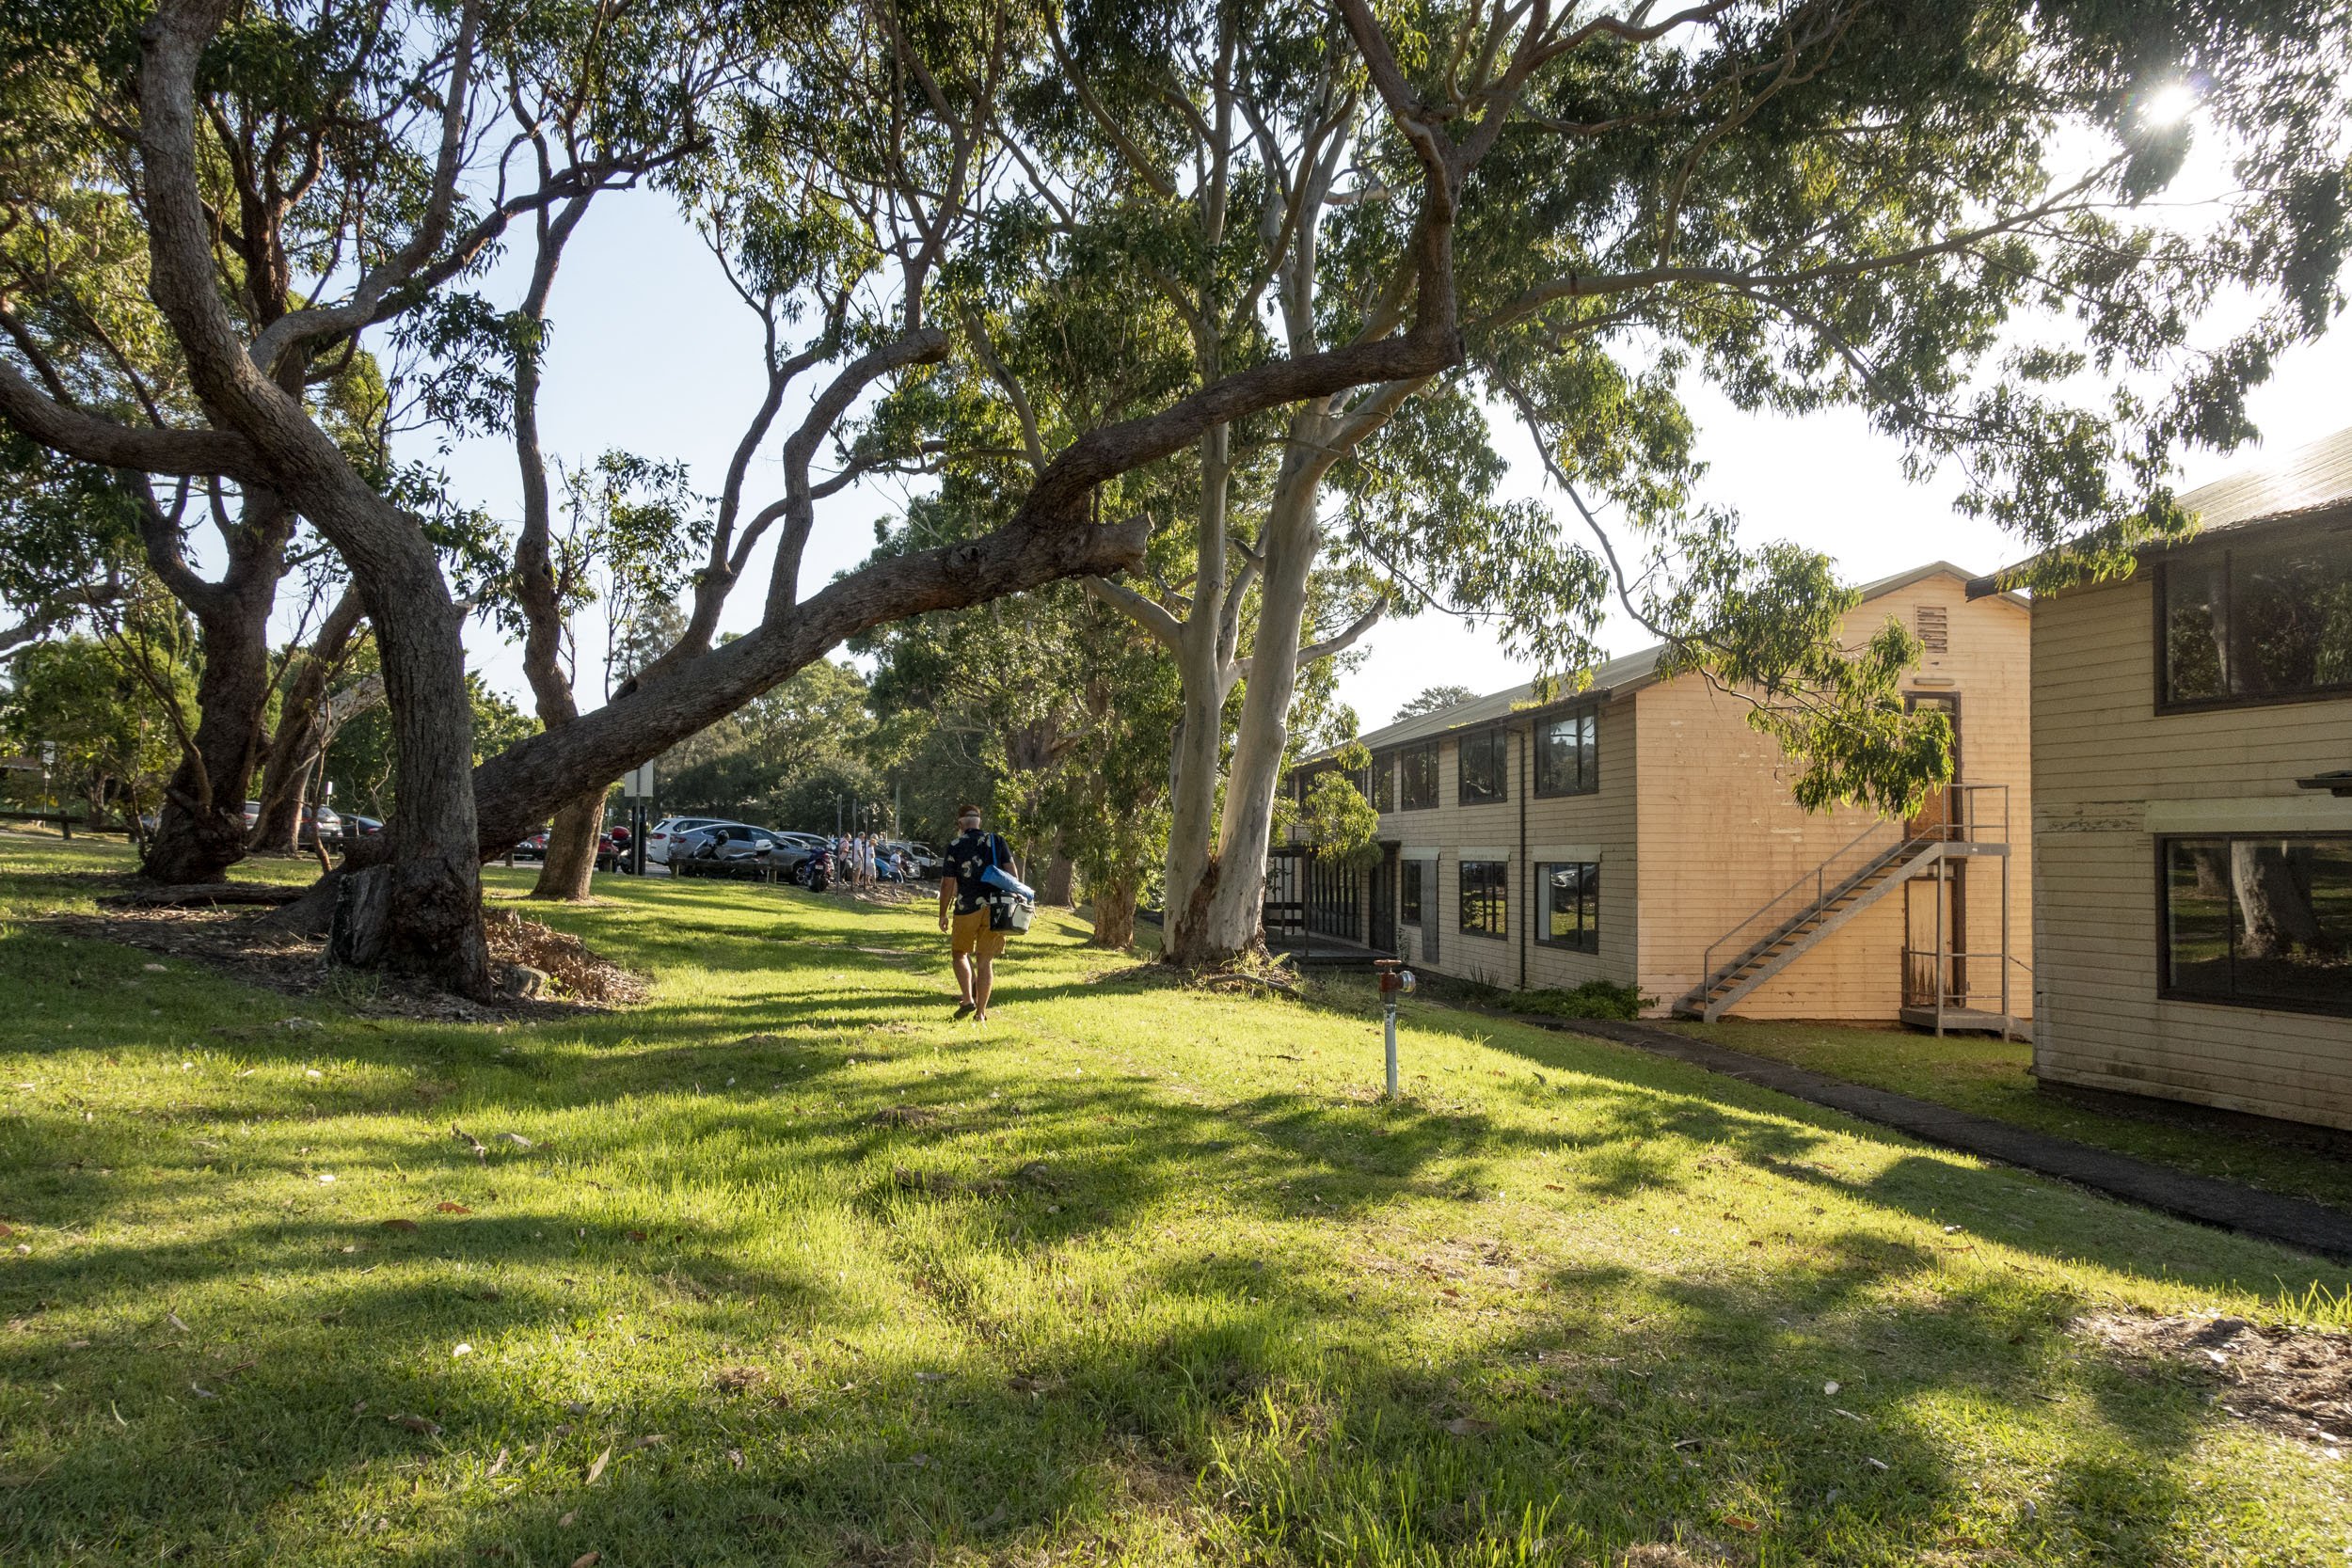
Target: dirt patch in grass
2296, 1381
236, 942
580, 972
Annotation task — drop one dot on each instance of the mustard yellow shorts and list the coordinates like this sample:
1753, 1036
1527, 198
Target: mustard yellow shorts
970, 934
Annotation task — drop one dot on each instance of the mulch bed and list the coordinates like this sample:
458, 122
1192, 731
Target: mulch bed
2295, 1381
237, 943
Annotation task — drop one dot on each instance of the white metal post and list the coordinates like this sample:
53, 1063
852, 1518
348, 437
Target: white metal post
1391, 1042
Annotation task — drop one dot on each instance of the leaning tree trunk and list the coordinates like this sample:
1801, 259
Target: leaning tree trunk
200, 828
540, 590
301, 735
572, 849
2274, 899
419, 909
1234, 920
199, 831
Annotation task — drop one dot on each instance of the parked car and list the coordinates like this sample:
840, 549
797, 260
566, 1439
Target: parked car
929, 866
535, 848
663, 834
361, 827
723, 850
320, 823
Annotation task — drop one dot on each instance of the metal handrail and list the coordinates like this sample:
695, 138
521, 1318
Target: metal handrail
1817, 879
1965, 829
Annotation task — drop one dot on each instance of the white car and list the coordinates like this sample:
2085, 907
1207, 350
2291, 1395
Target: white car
668, 832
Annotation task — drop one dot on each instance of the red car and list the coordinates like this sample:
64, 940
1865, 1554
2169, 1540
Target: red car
535, 848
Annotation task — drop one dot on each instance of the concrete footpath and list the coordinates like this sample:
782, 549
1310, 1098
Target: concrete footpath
2298, 1222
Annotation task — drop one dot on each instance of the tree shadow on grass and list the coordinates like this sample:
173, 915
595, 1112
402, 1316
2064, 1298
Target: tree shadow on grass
1228, 1402
1338, 1404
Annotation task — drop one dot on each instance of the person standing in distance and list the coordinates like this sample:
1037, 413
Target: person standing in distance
972, 947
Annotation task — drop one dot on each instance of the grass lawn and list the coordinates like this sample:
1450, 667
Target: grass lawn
795, 1268
1989, 1077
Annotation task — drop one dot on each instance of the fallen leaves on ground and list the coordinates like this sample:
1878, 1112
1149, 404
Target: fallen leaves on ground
2292, 1379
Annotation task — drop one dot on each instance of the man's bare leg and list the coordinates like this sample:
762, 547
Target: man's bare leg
983, 980
964, 976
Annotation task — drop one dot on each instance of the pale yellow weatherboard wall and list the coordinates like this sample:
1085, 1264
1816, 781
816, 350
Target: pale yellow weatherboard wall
2110, 774
1721, 833
1694, 826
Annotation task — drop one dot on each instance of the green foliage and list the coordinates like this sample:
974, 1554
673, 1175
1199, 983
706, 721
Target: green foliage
782, 758
360, 760
1338, 820
114, 736
834, 791
1593, 999
1433, 699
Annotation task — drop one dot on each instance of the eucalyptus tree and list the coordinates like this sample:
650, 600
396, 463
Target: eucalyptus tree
1632, 193
1940, 214
299, 174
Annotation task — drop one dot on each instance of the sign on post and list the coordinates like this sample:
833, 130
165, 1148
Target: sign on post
637, 784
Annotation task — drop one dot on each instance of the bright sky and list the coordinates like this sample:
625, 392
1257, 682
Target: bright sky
652, 353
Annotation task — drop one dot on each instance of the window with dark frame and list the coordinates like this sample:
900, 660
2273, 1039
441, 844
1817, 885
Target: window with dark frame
1486, 766
2257, 922
1418, 778
1485, 898
1570, 913
1383, 784
1408, 875
2255, 623
1568, 756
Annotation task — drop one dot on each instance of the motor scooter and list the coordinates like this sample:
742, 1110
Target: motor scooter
816, 873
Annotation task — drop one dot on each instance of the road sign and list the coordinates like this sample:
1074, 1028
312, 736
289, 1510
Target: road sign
637, 784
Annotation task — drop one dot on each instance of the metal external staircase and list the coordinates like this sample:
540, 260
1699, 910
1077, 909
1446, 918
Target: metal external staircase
1791, 924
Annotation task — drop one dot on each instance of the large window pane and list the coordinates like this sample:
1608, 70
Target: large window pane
1571, 907
2289, 619
2258, 623
1384, 783
1417, 771
1408, 892
1484, 897
2197, 922
2260, 921
1568, 757
2193, 631
1486, 766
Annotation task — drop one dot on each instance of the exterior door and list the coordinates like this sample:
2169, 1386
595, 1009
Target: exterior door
1938, 815
1383, 932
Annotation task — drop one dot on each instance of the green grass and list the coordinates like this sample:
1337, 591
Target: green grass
1141, 1274
1993, 1078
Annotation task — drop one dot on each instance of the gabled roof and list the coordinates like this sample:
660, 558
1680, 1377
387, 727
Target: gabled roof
2310, 478
1615, 677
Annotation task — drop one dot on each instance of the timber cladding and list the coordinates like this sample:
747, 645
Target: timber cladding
1682, 815
2130, 790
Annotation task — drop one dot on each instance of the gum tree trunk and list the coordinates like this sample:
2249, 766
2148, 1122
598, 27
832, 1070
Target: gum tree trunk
571, 849
1114, 903
200, 828
293, 750
1233, 922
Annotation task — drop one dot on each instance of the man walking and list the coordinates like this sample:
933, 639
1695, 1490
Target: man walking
972, 947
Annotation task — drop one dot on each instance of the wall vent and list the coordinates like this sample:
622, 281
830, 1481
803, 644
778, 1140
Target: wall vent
1934, 628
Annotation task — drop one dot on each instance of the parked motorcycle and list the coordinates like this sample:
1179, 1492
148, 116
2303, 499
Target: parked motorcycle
816, 872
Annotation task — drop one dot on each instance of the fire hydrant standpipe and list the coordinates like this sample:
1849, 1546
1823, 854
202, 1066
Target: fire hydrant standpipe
1395, 980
